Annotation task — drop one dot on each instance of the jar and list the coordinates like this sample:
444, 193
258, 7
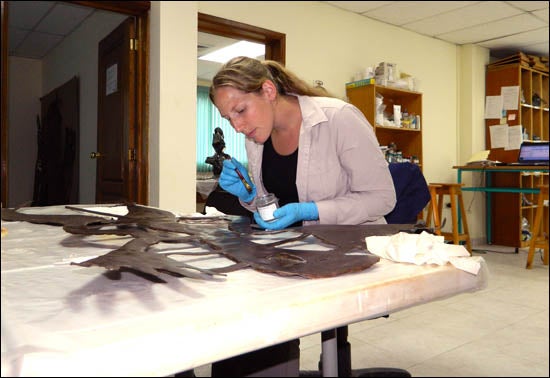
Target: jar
266, 205
399, 157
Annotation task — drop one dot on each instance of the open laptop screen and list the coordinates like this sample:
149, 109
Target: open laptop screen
533, 152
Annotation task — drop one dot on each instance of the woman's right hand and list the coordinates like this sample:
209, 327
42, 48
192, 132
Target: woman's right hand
231, 182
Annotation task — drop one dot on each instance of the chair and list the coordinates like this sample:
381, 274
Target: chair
411, 191
225, 202
412, 194
538, 237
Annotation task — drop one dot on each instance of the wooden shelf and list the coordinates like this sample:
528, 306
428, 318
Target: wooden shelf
408, 140
508, 209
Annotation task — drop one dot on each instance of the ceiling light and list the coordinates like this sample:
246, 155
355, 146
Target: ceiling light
241, 48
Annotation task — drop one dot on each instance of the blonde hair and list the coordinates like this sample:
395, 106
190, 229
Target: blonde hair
248, 75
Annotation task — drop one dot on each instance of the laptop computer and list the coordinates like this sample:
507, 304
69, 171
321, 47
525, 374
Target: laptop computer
533, 153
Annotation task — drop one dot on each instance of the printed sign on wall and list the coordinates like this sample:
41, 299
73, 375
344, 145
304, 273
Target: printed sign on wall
112, 81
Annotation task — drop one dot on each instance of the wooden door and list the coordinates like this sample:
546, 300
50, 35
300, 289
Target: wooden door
116, 115
57, 169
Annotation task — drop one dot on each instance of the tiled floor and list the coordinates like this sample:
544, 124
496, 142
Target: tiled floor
501, 331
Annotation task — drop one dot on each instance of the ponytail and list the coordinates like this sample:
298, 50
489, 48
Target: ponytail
248, 75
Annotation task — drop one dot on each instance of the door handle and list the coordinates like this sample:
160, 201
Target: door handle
95, 155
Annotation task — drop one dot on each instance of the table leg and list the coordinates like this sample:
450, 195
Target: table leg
329, 353
459, 180
488, 204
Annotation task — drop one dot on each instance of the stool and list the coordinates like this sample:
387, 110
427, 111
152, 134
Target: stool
433, 209
454, 191
538, 237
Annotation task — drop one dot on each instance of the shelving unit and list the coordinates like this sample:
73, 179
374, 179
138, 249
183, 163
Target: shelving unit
510, 209
534, 118
408, 140
529, 202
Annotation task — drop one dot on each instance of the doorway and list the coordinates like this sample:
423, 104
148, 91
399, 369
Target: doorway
229, 32
275, 49
139, 11
115, 160
275, 42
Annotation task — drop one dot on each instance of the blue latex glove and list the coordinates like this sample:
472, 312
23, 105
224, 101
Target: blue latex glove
232, 183
288, 214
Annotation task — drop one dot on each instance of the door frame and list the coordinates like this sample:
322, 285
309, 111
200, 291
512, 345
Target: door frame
275, 49
275, 42
138, 9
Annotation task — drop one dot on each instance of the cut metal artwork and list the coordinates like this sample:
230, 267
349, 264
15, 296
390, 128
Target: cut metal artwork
228, 236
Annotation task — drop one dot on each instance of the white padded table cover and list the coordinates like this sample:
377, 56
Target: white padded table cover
65, 320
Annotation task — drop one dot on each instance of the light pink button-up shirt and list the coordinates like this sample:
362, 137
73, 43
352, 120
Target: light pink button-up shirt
340, 165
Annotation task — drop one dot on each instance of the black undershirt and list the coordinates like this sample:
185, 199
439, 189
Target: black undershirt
279, 175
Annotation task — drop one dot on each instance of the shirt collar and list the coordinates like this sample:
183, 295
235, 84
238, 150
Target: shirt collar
312, 112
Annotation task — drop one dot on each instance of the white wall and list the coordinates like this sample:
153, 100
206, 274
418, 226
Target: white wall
25, 84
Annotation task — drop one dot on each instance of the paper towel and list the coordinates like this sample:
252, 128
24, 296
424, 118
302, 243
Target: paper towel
424, 248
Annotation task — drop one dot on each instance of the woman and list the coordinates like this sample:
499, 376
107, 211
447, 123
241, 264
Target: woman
318, 155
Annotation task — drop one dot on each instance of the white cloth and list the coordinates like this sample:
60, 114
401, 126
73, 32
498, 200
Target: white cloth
424, 248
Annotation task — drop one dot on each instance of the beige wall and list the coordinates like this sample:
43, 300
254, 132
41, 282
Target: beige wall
25, 83
329, 44
470, 129
172, 105
323, 43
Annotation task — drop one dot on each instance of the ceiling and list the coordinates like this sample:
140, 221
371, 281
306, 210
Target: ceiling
504, 27
206, 44
36, 27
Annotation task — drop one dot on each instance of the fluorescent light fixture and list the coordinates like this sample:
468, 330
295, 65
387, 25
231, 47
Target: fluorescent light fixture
241, 48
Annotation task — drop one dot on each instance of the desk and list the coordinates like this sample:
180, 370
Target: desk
489, 188
66, 320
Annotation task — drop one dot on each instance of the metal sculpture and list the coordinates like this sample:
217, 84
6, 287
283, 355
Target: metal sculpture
228, 236
216, 160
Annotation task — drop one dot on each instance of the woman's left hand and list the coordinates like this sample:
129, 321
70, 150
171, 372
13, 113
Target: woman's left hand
289, 214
